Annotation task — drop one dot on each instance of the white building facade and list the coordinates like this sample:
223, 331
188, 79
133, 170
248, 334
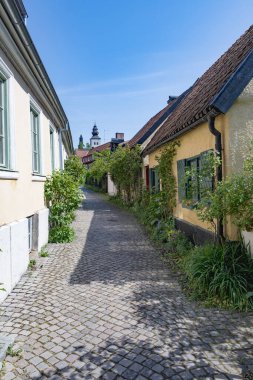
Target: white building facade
34, 140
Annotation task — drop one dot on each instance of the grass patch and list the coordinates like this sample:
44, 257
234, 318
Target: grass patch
43, 253
32, 264
14, 352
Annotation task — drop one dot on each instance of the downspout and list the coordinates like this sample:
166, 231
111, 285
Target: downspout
218, 152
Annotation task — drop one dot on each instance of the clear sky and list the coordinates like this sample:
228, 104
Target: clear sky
115, 62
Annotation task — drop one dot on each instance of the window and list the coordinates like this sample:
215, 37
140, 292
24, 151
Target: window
52, 148
154, 180
4, 132
35, 130
192, 188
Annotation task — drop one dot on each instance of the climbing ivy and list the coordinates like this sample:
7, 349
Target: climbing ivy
168, 181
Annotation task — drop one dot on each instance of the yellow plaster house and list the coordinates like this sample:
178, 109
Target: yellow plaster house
216, 114
34, 140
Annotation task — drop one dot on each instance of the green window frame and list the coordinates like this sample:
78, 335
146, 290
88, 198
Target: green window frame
35, 131
4, 125
51, 131
154, 181
191, 188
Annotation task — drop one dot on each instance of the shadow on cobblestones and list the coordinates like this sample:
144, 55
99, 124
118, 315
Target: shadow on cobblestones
116, 249
106, 307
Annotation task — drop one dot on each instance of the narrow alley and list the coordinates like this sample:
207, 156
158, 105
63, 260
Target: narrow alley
107, 307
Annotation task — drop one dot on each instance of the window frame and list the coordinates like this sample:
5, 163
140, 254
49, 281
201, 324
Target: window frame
154, 180
184, 188
35, 112
5, 164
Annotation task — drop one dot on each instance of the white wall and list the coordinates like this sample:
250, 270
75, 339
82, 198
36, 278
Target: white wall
14, 257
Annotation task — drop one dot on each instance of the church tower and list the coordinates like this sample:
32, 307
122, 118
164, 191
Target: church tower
95, 139
80, 145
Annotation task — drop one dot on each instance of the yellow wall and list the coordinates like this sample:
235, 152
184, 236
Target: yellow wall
22, 197
192, 143
236, 127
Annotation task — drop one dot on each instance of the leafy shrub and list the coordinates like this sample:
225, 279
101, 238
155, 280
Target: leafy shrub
233, 196
63, 198
221, 275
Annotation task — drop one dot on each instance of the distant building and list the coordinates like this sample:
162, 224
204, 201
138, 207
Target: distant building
95, 140
112, 145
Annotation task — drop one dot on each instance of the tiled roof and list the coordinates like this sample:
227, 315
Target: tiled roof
81, 153
137, 137
100, 148
206, 90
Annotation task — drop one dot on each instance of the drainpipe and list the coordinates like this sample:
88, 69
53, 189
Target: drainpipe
218, 151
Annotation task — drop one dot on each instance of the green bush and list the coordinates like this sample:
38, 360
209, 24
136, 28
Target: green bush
221, 275
62, 234
63, 198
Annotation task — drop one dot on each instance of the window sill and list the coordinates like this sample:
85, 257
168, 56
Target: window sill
9, 174
38, 178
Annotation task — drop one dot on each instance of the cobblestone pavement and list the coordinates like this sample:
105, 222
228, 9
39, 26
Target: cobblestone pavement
106, 307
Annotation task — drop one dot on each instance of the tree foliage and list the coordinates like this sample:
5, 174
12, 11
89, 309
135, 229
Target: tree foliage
125, 170
75, 168
100, 167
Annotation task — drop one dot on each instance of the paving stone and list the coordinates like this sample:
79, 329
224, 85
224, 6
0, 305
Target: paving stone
129, 374
105, 306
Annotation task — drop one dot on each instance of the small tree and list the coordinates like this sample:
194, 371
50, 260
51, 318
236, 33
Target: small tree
100, 167
125, 167
75, 168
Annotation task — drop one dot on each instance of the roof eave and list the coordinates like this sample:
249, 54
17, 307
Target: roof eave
211, 112
235, 85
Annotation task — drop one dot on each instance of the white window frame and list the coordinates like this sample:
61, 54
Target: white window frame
34, 108
8, 171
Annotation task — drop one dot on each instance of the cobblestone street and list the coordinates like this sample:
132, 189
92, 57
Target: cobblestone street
106, 307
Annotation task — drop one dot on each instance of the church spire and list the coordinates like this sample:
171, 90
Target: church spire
80, 145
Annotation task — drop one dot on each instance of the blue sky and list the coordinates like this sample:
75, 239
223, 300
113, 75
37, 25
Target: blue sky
115, 62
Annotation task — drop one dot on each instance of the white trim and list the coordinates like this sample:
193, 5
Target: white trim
38, 178
4, 174
34, 105
11, 113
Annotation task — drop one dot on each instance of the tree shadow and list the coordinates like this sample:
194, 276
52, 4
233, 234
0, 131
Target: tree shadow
177, 338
